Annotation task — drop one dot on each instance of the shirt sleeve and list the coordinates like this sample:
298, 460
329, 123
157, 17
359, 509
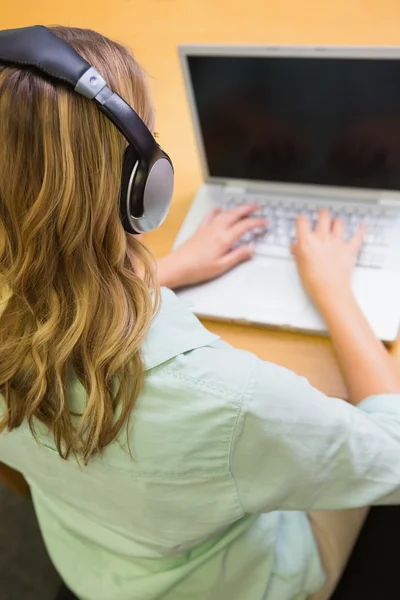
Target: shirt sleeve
294, 448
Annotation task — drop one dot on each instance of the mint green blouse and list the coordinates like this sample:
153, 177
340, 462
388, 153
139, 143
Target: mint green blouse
229, 452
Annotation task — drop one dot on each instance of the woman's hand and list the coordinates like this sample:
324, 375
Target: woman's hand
208, 253
324, 259
325, 262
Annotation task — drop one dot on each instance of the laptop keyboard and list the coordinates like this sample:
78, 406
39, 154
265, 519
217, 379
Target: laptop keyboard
282, 215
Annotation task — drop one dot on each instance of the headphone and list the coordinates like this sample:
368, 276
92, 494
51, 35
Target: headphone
147, 180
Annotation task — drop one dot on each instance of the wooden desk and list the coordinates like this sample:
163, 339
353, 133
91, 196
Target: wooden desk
154, 28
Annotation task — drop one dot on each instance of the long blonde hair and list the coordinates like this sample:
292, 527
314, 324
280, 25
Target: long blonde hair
74, 287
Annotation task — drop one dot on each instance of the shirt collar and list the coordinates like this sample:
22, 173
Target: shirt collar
175, 330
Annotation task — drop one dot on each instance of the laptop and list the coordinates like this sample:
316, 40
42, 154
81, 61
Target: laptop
294, 130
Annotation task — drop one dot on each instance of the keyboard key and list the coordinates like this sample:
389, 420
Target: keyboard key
377, 261
259, 231
369, 238
247, 237
269, 239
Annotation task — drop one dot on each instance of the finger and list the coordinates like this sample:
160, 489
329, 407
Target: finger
210, 217
323, 225
338, 228
239, 212
235, 232
235, 257
358, 238
303, 228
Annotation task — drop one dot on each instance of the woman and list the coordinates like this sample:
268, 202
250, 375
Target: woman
190, 468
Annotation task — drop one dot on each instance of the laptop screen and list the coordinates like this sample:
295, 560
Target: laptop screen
326, 121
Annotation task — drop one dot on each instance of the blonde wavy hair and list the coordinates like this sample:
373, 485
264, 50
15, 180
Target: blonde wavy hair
74, 287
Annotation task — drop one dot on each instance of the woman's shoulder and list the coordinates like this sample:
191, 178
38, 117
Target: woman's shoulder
182, 356
197, 393
179, 346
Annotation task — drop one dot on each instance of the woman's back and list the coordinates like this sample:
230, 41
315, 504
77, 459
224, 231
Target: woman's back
202, 497
167, 522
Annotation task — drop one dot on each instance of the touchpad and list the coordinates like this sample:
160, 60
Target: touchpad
274, 285
260, 290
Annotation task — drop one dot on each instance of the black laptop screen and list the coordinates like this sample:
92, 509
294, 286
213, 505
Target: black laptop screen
327, 121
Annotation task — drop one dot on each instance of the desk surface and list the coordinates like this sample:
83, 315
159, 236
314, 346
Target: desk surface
154, 29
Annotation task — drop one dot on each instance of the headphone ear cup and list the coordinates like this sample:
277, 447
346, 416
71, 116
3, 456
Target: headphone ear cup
146, 192
131, 196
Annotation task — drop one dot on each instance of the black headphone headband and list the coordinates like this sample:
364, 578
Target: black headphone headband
147, 178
